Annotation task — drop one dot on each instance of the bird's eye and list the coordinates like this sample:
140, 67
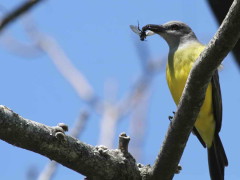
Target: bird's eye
174, 27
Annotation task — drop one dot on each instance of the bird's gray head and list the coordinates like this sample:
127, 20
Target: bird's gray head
176, 33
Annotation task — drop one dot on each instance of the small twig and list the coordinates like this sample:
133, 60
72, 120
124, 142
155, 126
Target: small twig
178, 170
23, 8
123, 142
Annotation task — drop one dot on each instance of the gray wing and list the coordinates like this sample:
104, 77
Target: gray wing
217, 106
195, 132
217, 101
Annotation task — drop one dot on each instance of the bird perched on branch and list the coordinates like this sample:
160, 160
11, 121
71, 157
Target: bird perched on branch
184, 49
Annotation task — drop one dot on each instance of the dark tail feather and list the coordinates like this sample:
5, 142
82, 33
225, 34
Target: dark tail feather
217, 159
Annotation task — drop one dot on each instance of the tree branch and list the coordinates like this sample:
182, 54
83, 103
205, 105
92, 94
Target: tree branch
17, 12
194, 93
90, 161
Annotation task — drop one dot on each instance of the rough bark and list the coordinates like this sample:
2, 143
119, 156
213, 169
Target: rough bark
93, 162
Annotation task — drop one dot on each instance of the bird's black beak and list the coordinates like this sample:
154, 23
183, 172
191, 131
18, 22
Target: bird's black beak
153, 27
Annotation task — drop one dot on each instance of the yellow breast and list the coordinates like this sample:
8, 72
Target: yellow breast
178, 67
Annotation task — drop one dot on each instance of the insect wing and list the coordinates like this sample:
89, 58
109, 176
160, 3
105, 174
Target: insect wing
135, 29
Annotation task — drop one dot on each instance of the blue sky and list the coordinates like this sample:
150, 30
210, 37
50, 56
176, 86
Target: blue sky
96, 37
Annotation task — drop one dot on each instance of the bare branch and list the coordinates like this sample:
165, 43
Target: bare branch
27, 50
141, 87
49, 171
194, 93
67, 69
90, 161
138, 123
114, 112
64, 65
79, 126
110, 118
23, 8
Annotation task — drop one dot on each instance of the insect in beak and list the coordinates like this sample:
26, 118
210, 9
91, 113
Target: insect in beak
142, 34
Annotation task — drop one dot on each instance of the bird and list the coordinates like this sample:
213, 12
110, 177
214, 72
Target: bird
184, 49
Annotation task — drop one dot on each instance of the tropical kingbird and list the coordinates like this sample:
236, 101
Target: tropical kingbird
184, 49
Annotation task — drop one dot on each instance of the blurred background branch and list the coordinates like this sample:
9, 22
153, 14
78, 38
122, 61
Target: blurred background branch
220, 9
64, 65
17, 12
